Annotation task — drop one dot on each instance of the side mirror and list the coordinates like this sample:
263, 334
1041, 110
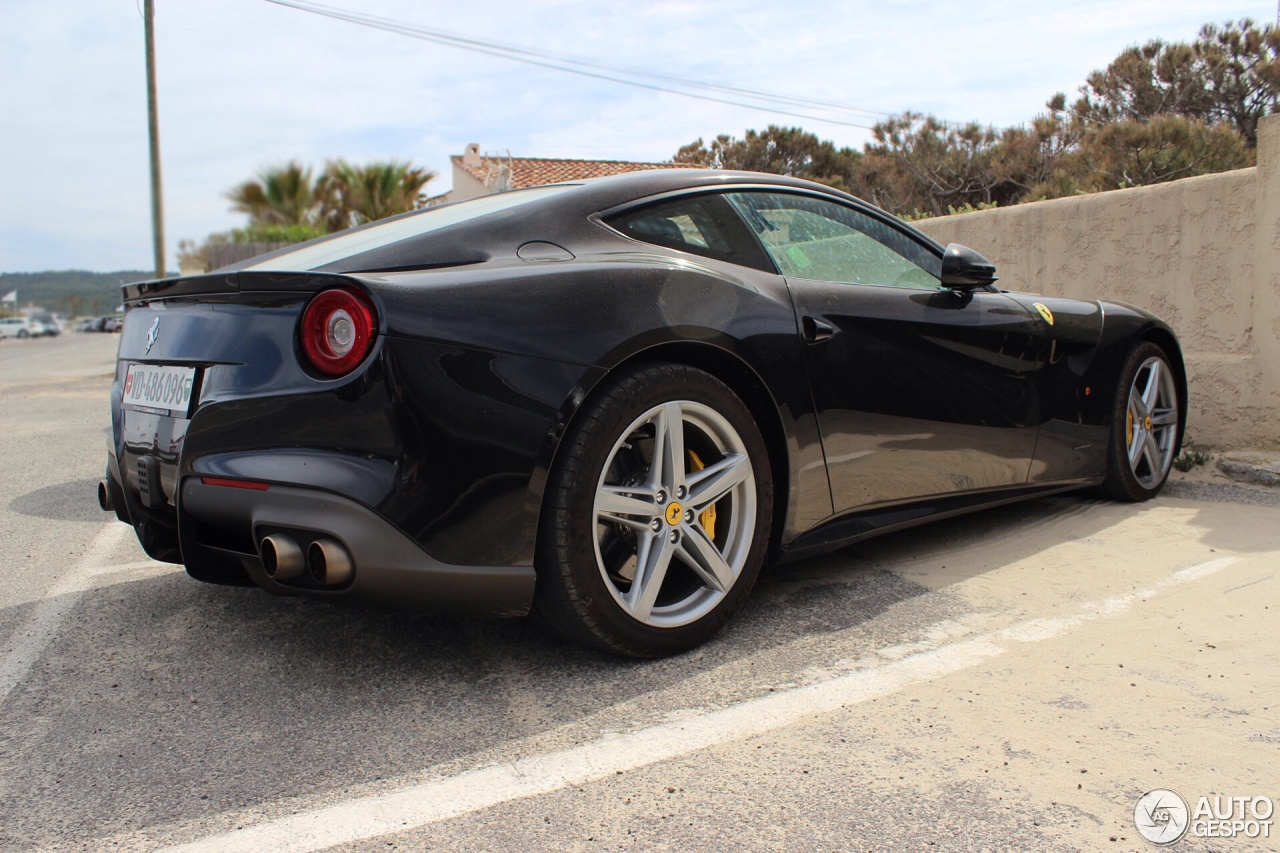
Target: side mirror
965, 269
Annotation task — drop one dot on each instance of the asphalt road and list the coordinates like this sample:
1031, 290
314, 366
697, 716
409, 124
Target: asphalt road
1013, 680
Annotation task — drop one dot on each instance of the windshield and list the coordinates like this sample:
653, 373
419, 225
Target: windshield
327, 250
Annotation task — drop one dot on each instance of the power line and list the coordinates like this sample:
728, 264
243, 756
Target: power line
598, 71
514, 50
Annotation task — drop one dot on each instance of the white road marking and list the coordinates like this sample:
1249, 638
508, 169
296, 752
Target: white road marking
31, 637
441, 799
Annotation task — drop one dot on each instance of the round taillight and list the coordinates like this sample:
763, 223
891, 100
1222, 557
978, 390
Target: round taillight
337, 330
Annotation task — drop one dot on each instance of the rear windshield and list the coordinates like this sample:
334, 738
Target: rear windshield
327, 250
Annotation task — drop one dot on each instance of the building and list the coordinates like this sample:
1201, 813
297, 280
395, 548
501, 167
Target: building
476, 174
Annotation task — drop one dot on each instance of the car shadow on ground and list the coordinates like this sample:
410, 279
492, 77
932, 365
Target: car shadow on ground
164, 699
73, 501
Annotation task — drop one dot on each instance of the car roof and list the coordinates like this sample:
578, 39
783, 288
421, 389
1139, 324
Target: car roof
545, 216
635, 185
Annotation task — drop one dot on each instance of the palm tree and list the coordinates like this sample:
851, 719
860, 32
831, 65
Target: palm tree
281, 195
352, 195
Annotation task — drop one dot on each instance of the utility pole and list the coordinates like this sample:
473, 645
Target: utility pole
153, 131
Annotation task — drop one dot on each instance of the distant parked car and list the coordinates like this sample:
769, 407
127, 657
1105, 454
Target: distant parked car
106, 323
44, 324
15, 327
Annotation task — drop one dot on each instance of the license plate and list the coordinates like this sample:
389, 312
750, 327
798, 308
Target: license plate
159, 389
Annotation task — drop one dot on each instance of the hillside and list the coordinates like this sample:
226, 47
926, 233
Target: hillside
70, 292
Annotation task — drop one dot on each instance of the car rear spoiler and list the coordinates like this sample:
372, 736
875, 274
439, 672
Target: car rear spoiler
227, 283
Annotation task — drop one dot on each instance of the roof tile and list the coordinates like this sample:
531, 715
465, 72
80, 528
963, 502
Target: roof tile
536, 171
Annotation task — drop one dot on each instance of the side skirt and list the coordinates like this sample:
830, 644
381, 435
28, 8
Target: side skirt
864, 524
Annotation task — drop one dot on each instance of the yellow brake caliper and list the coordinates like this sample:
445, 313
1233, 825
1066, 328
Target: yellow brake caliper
708, 515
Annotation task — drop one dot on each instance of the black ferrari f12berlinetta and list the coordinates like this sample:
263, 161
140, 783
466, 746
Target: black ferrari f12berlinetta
610, 402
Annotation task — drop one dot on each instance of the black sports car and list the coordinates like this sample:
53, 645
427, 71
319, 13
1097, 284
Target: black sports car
611, 401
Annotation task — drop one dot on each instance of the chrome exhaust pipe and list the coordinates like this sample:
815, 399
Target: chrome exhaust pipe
281, 557
329, 563
104, 497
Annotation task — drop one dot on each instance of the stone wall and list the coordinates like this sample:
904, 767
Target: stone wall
1203, 253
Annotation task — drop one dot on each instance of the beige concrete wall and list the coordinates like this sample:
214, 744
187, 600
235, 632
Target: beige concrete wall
1203, 253
465, 186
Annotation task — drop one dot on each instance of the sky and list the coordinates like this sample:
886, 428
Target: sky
247, 84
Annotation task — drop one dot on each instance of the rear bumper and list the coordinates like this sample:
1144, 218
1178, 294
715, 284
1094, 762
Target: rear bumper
220, 530
389, 569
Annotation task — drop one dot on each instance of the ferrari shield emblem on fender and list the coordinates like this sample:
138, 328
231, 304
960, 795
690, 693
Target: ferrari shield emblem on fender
1044, 312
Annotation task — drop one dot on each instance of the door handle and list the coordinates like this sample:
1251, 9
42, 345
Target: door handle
816, 330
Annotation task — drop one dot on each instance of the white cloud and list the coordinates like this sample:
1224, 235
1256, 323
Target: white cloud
245, 83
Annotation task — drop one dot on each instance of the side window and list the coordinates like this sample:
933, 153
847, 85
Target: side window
701, 224
815, 239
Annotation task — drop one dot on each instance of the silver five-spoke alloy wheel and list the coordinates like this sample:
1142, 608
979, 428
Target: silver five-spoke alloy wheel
674, 514
1151, 425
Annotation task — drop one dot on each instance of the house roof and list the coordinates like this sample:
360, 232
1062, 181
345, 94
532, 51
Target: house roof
536, 171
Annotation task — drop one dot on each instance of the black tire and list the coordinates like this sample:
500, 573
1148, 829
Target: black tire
23, 333
1123, 482
583, 558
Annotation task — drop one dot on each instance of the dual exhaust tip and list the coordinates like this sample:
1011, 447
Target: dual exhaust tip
326, 561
